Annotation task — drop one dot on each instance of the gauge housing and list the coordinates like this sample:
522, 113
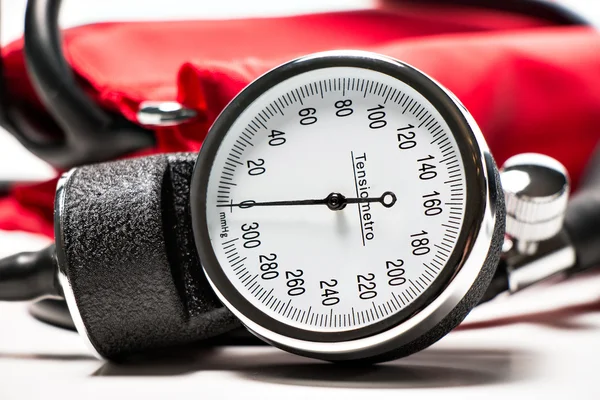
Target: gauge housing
452, 295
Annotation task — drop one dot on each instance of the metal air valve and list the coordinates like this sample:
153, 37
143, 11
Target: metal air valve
536, 191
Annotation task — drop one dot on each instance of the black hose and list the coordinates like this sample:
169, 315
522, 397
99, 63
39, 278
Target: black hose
28, 276
582, 220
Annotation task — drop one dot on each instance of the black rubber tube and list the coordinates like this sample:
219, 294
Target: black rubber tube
51, 74
582, 220
91, 134
553, 12
28, 276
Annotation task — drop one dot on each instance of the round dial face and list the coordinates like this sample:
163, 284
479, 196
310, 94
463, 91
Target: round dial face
335, 200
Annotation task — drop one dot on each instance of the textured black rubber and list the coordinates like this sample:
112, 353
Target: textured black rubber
129, 252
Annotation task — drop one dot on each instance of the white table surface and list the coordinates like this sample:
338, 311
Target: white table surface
543, 343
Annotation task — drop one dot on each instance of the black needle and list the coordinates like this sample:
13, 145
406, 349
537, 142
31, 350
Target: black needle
335, 201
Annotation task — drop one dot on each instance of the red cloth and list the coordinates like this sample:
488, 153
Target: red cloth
530, 86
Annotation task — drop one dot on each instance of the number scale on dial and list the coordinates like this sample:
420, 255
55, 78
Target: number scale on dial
336, 199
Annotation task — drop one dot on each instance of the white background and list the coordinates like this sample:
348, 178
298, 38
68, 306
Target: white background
541, 344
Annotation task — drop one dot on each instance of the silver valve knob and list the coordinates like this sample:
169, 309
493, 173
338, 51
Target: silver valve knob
536, 190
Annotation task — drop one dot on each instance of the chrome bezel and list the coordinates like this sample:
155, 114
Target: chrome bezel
431, 315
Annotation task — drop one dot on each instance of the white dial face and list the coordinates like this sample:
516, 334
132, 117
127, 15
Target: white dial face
336, 199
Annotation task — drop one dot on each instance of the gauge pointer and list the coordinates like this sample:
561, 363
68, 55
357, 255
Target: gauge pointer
335, 202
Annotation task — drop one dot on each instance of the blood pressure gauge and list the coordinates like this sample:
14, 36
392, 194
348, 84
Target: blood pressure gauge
345, 207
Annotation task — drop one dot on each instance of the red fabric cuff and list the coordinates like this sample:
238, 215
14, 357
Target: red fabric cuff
529, 86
